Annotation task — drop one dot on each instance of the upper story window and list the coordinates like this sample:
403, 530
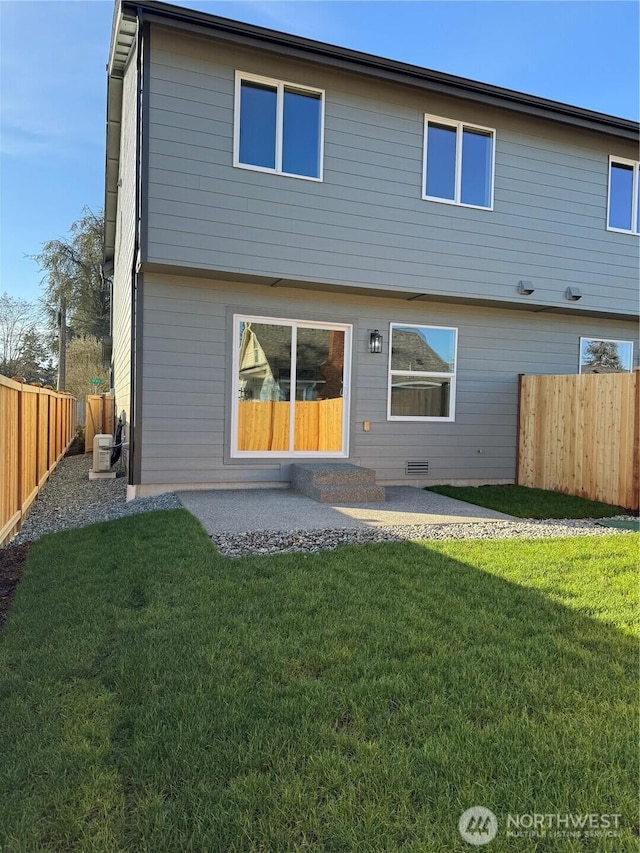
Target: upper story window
278, 127
422, 373
623, 212
599, 355
458, 163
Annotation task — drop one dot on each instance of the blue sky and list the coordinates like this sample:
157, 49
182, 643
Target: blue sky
53, 82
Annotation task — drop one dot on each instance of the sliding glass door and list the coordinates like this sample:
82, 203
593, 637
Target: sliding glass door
290, 388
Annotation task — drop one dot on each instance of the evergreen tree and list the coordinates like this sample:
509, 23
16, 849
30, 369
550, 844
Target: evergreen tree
36, 364
603, 356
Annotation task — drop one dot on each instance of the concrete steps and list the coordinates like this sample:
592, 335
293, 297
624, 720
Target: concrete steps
336, 482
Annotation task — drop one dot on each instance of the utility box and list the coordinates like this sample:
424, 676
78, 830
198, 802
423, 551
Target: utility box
101, 469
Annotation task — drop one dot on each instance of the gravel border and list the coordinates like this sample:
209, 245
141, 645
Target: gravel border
69, 499
312, 541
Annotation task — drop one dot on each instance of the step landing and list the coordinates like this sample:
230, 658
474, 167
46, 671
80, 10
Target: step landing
336, 482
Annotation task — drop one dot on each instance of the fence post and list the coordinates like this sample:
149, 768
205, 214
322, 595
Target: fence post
20, 448
518, 427
48, 406
635, 482
37, 438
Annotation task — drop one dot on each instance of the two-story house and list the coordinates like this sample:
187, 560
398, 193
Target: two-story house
322, 254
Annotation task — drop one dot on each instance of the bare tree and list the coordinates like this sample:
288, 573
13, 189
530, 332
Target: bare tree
18, 323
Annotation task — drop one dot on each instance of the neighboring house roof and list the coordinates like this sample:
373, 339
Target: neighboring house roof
128, 15
411, 352
275, 343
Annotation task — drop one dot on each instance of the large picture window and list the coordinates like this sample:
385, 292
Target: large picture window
458, 163
422, 373
605, 356
291, 394
623, 208
278, 127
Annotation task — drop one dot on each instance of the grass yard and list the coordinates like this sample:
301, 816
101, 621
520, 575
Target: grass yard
155, 696
529, 503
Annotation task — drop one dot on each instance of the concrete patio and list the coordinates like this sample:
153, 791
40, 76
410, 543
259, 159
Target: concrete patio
252, 510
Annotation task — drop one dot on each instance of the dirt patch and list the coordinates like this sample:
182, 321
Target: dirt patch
12, 560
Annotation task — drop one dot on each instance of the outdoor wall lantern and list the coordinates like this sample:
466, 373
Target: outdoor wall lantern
375, 341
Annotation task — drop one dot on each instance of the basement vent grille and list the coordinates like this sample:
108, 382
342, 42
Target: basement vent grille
416, 467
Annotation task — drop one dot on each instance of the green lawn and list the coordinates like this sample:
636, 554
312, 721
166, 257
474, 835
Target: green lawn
529, 503
156, 696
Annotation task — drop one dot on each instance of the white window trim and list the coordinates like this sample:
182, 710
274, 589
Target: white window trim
459, 126
346, 389
604, 341
634, 196
280, 86
452, 376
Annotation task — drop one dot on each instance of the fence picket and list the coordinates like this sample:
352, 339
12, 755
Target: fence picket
580, 435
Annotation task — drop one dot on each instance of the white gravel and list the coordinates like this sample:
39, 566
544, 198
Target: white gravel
270, 542
69, 499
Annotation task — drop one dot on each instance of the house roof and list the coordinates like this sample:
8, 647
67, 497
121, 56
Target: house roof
130, 15
276, 345
411, 352
378, 66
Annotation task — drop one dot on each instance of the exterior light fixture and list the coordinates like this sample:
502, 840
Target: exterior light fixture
375, 341
573, 294
526, 288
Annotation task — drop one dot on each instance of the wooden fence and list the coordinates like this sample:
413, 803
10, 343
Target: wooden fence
580, 435
36, 427
100, 417
265, 425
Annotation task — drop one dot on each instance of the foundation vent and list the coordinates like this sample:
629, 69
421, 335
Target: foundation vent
416, 467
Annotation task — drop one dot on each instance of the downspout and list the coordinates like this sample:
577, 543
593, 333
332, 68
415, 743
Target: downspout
134, 466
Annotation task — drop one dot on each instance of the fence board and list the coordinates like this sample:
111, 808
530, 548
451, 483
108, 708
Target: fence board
9, 509
93, 415
34, 434
99, 418
29, 448
43, 439
265, 425
580, 435
108, 415
53, 455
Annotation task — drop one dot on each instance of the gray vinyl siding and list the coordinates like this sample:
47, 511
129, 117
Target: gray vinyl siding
125, 245
366, 223
187, 384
